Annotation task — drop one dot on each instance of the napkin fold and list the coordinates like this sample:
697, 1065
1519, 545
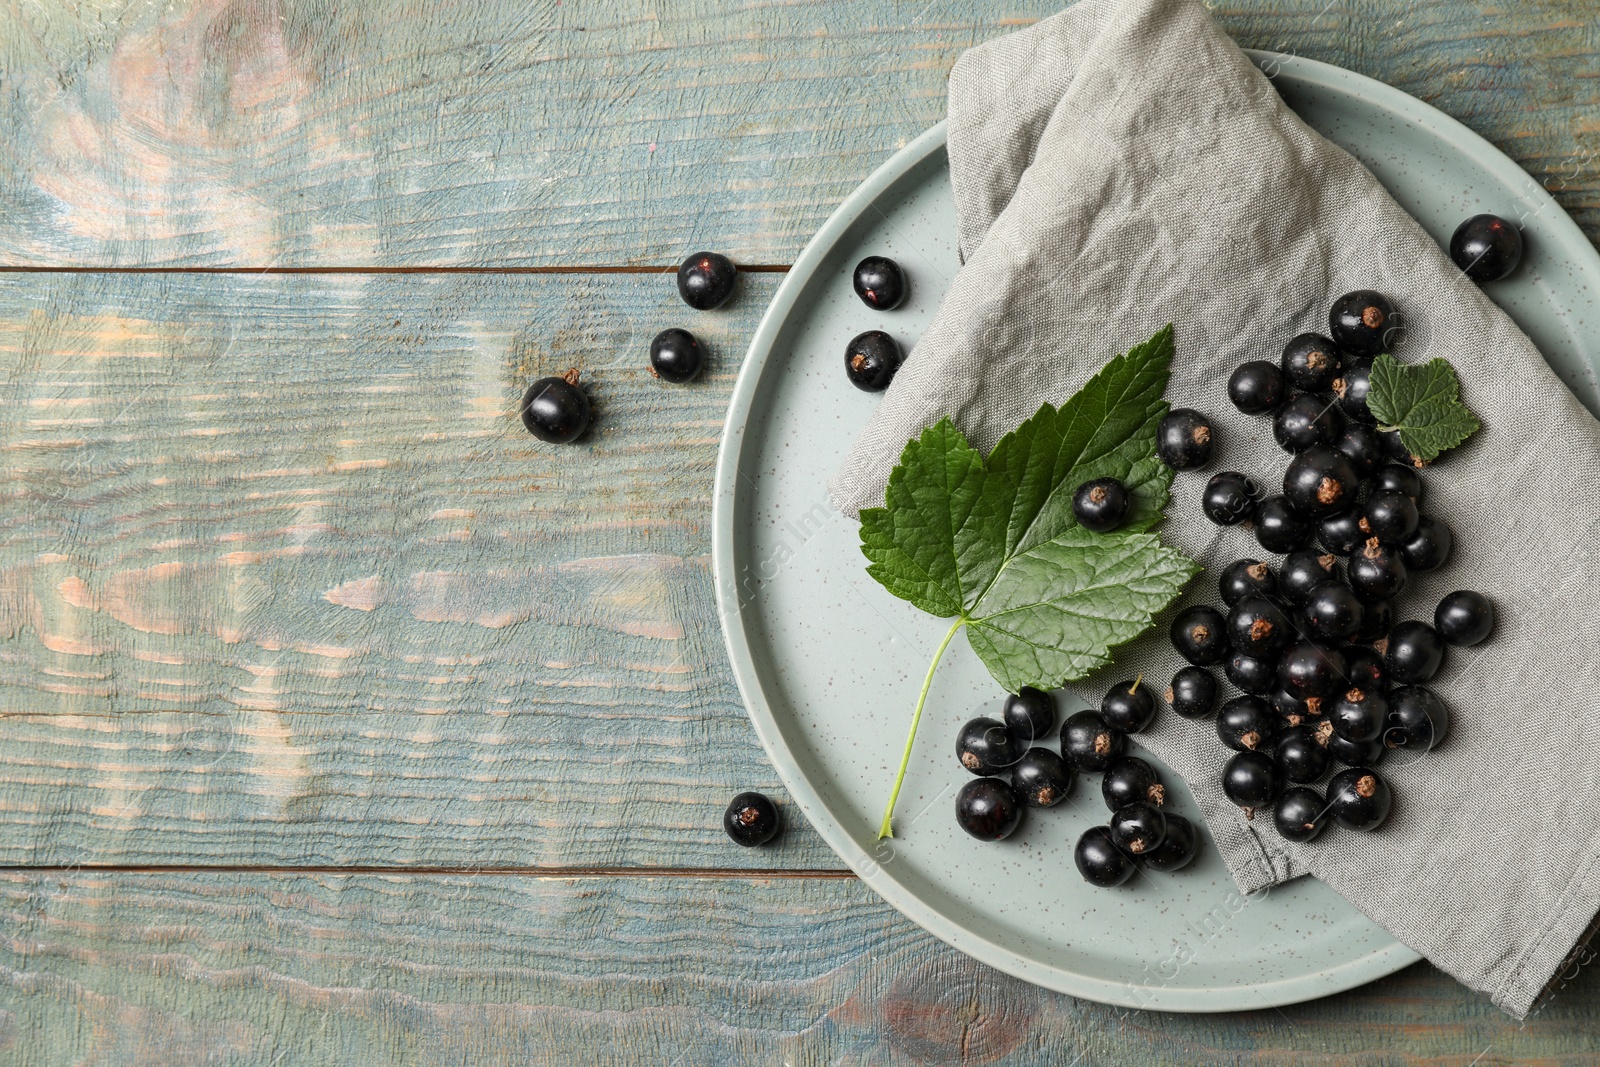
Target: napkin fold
1122, 165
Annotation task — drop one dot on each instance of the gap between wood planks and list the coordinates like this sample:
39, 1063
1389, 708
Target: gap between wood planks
750, 268
452, 872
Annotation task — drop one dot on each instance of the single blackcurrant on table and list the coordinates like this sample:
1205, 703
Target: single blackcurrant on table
1363, 447
1362, 322
751, 819
1300, 755
1130, 706
985, 747
1229, 498
1246, 577
1251, 780
1300, 814
1359, 799
1251, 674
1099, 860
1414, 653
1183, 439
1101, 505
1200, 635
1389, 516
1178, 850
1137, 828
1376, 571
1130, 780
1320, 482
1311, 363
1256, 387
1352, 387
1306, 421
879, 282
1247, 724
1428, 547
1029, 714
1464, 618
556, 410
871, 360
1302, 571
1042, 778
1309, 670
1089, 744
1193, 693
1418, 719
1258, 627
1359, 714
676, 356
1340, 534
1279, 527
705, 280
1486, 248
988, 809
1332, 613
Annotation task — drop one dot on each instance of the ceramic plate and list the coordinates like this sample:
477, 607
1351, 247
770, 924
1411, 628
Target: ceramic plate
829, 663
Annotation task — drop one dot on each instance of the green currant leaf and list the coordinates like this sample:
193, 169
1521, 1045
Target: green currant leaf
1422, 401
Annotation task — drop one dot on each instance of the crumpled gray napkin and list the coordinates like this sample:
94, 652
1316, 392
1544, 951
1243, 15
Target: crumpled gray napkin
1122, 165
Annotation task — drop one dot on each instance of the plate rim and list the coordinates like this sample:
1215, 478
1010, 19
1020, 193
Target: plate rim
1313, 984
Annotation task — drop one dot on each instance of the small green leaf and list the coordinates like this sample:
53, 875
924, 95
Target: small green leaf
1422, 401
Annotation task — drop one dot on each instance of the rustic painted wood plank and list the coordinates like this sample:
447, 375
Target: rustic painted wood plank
283, 579
346, 970
255, 133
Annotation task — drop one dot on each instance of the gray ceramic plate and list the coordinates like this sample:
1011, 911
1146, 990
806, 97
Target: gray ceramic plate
829, 663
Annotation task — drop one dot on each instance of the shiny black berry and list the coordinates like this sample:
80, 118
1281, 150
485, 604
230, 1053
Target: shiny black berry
1279, 527
1359, 714
1247, 724
676, 356
1358, 799
1428, 547
1376, 571
1251, 780
1360, 445
871, 360
1332, 613
1101, 505
1130, 780
1362, 322
1300, 814
1138, 828
1320, 482
1300, 755
988, 809
1256, 387
1246, 577
1389, 516
751, 819
1100, 861
1364, 669
1376, 619
1258, 627
1351, 389
1088, 743
1340, 534
1193, 693
1398, 478
1305, 422
1418, 720
1042, 778
1130, 706
1178, 850
1183, 439
1259, 676
1200, 634
1029, 714
1395, 449
1229, 498
1302, 571
1309, 670
1350, 753
1486, 248
1414, 652
1464, 618
705, 280
556, 410
880, 283
1311, 363
985, 747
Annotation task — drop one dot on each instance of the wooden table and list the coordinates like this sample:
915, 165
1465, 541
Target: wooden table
345, 724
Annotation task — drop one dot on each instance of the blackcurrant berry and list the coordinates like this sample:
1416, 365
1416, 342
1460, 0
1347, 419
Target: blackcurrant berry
1309, 670
1193, 693
988, 809
1376, 619
1129, 707
1362, 322
1101, 505
1183, 439
1395, 449
1042, 778
1029, 714
705, 280
1088, 743
1229, 498
1246, 577
556, 410
1429, 547
1300, 814
1200, 634
1293, 709
1302, 571
1130, 780
1138, 828
1247, 724
1359, 714
1486, 248
1320, 482
1178, 850
1464, 618
880, 283
1397, 478
1375, 571
1418, 720
985, 747
1415, 651
871, 360
676, 356
1256, 387
1311, 363
1100, 861
1301, 757
1389, 516
1340, 534
1250, 674
1358, 799
1350, 753
1251, 780
1304, 422
1332, 613
1279, 527
1360, 445
751, 819
1364, 668
1351, 389
1258, 627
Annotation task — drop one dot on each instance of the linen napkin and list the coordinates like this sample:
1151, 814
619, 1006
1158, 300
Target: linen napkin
1122, 165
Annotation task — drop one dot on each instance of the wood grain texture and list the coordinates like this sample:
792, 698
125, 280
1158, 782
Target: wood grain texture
352, 970
284, 581
280, 132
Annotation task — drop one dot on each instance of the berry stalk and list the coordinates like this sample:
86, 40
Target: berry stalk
884, 829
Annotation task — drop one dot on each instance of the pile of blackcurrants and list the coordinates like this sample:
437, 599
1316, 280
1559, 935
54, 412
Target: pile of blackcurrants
1140, 832
1328, 677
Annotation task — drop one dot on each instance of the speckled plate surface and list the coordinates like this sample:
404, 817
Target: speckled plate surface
829, 663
